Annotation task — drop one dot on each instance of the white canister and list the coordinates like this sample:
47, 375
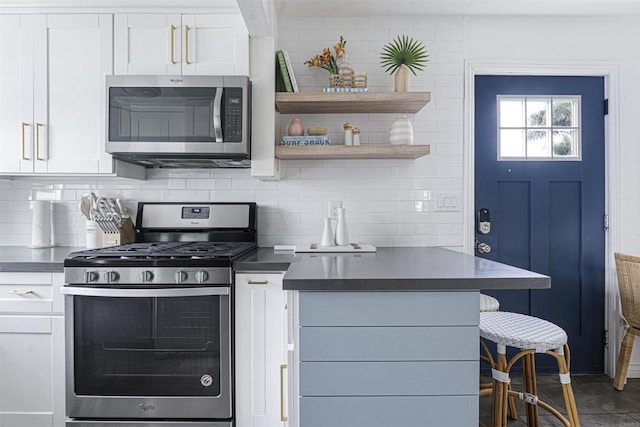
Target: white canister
401, 132
348, 134
94, 235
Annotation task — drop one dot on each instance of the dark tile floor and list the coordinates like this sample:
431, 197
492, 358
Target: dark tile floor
599, 404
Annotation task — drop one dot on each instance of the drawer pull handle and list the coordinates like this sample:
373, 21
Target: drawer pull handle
282, 416
19, 292
258, 282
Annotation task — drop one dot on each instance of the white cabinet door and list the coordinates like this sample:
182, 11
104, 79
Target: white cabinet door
164, 44
147, 44
31, 350
261, 370
16, 93
72, 55
215, 45
30, 387
52, 93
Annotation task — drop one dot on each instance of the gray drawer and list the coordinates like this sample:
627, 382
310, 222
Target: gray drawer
384, 343
405, 411
389, 308
388, 378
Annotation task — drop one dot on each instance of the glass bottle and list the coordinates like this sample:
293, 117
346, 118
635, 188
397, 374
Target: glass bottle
345, 71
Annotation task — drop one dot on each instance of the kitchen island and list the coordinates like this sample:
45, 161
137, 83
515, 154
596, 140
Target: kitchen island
390, 338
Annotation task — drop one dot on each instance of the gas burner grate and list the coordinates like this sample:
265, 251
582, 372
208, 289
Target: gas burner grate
169, 251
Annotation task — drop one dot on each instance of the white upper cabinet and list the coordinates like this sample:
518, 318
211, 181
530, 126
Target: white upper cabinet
16, 93
52, 93
164, 44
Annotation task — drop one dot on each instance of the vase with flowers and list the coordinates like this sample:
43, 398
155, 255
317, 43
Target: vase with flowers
334, 63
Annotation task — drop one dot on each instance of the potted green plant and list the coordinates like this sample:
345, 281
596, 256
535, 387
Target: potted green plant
401, 55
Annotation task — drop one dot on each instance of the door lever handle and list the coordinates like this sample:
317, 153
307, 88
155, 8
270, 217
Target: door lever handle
483, 248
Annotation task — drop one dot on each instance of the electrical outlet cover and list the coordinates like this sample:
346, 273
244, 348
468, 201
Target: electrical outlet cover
333, 207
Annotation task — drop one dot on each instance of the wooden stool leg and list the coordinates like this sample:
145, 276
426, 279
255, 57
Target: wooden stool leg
567, 390
623, 360
513, 412
500, 394
530, 386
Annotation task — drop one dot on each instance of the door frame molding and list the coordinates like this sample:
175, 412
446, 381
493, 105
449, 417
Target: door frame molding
610, 72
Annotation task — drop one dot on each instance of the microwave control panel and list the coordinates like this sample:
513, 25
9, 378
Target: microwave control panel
232, 114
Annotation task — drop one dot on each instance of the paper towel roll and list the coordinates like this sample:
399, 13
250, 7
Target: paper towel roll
41, 228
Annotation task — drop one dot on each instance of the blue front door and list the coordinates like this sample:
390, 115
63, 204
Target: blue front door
539, 173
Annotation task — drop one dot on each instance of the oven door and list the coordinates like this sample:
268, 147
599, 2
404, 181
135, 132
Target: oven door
148, 353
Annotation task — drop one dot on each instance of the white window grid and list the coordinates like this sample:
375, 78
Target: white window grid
549, 98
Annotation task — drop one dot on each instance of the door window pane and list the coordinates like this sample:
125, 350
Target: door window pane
512, 143
511, 113
538, 128
537, 113
538, 143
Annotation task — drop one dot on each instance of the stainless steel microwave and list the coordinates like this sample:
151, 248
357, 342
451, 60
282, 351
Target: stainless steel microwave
179, 121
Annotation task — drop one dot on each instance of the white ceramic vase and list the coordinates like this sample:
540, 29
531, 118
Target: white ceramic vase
342, 231
401, 132
327, 234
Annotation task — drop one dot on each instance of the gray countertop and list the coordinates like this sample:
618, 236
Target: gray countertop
266, 259
413, 268
24, 259
410, 268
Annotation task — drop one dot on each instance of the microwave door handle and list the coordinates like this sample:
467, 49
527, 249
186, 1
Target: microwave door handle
143, 293
217, 106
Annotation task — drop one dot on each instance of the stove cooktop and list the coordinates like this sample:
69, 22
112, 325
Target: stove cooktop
166, 254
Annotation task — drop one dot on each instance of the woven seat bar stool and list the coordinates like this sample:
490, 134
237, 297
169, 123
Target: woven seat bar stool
628, 271
488, 303
530, 335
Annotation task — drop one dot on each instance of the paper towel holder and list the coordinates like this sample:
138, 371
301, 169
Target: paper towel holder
42, 233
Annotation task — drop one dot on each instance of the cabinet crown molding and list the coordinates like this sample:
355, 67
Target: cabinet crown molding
119, 6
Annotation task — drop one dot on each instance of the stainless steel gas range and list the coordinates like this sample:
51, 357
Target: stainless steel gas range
148, 325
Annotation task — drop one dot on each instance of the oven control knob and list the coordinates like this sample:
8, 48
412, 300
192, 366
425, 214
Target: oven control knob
202, 276
146, 276
180, 276
111, 276
91, 276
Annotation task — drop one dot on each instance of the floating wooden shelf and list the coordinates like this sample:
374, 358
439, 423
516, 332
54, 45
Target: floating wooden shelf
369, 102
368, 151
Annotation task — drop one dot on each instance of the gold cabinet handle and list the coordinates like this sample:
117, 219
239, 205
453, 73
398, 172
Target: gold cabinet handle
24, 125
38, 141
258, 282
186, 44
282, 416
173, 36
20, 292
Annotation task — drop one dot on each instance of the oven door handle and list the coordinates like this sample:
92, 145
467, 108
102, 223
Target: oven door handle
143, 293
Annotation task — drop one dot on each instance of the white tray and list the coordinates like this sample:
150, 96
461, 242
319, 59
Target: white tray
354, 247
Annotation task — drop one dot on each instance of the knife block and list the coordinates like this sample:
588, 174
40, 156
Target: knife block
127, 234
